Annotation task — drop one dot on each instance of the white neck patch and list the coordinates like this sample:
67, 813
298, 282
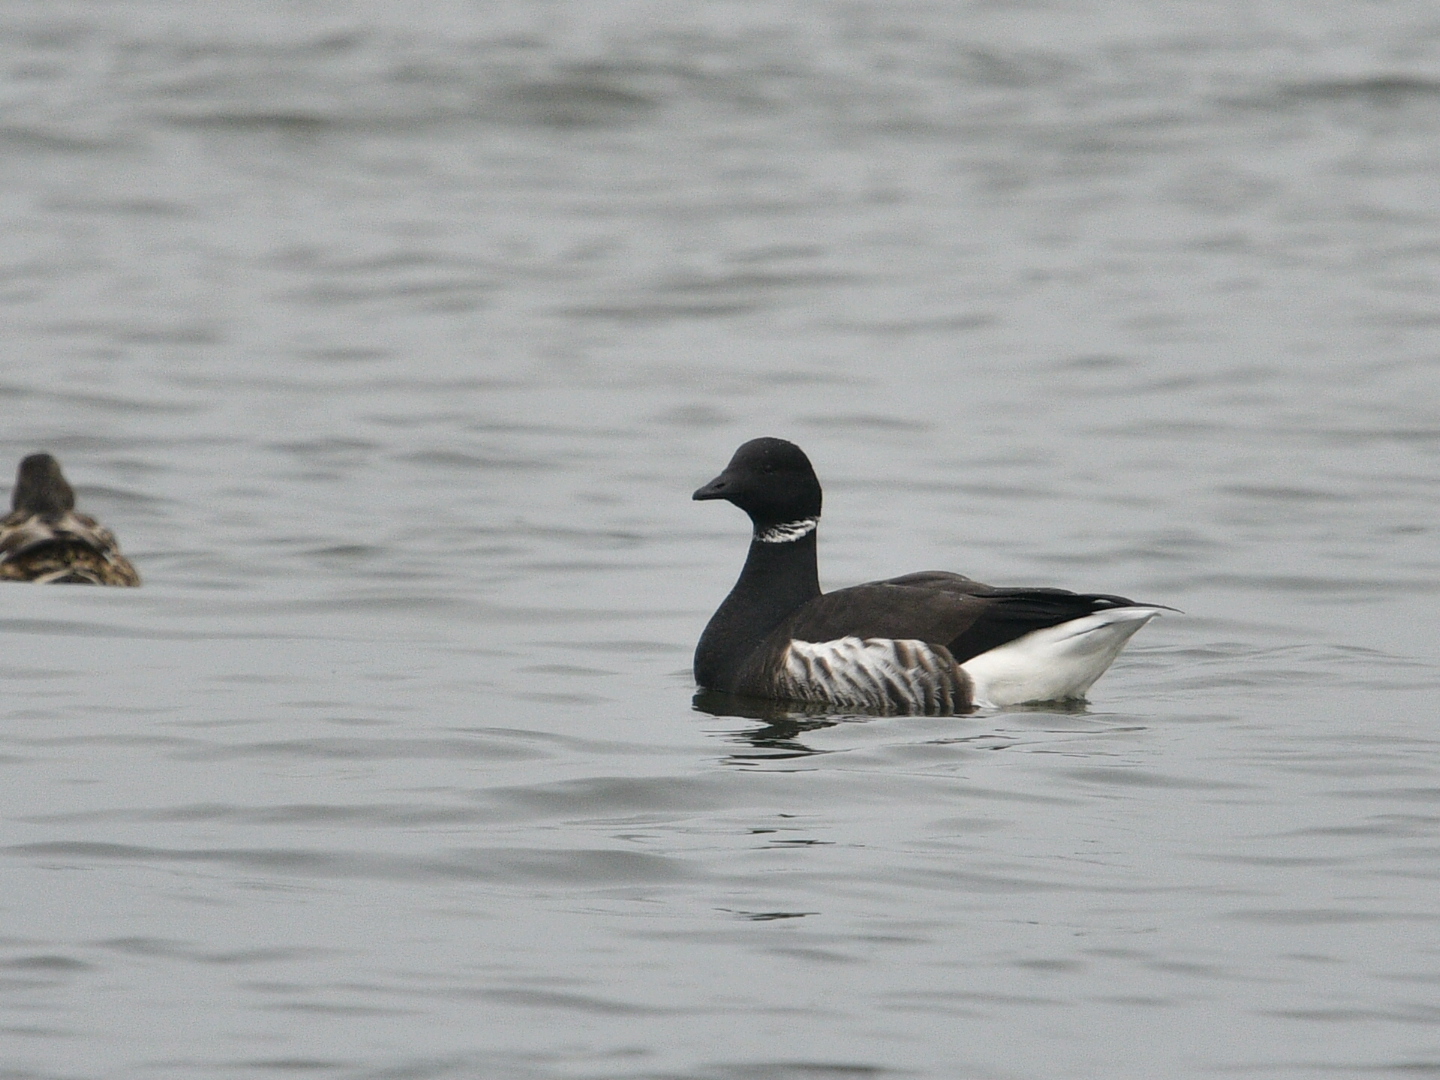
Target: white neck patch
788, 532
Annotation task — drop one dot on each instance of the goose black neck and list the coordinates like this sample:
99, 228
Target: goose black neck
777, 578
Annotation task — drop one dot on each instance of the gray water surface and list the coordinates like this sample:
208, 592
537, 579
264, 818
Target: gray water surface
391, 342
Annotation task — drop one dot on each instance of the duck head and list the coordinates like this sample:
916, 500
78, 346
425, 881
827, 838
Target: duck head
40, 488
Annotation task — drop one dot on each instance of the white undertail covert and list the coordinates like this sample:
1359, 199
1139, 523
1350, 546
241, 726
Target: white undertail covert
1058, 663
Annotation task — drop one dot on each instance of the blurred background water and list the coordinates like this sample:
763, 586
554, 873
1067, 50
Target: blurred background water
391, 341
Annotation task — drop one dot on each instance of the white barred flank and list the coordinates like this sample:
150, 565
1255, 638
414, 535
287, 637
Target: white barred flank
881, 675
887, 675
1057, 663
790, 530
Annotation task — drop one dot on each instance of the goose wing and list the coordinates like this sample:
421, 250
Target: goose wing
967, 617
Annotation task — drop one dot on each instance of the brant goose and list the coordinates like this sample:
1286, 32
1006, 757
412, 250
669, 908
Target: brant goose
932, 642
44, 539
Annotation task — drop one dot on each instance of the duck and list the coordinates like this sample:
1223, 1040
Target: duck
45, 539
932, 642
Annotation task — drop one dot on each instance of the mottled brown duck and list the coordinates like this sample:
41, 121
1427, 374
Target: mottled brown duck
45, 539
